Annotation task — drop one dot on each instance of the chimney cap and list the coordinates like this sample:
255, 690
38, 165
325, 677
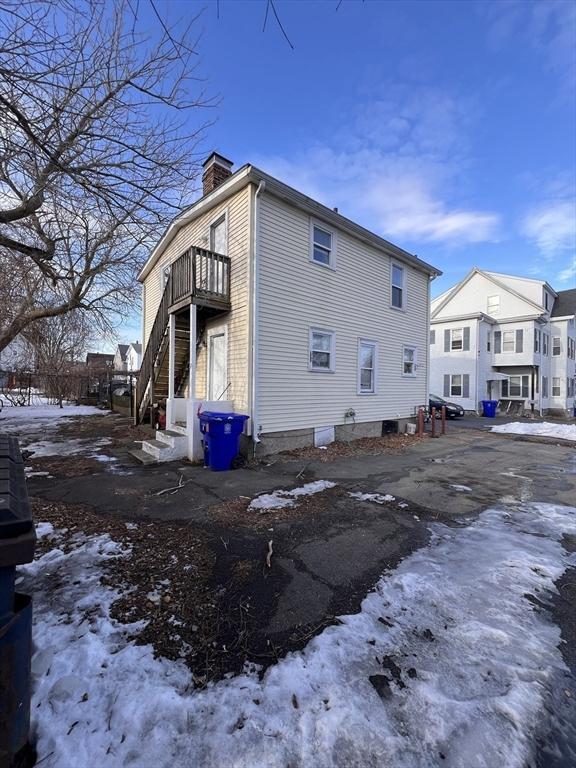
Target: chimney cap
215, 157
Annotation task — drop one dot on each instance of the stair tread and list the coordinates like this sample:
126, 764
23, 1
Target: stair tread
142, 456
170, 433
157, 444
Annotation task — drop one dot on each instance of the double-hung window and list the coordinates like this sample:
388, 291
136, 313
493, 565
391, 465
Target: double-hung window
322, 245
321, 350
555, 387
508, 338
493, 305
545, 344
456, 338
397, 297
367, 357
544, 386
556, 346
515, 386
408, 361
536, 340
488, 341
456, 385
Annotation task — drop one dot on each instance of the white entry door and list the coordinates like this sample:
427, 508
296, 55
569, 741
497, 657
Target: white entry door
217, 365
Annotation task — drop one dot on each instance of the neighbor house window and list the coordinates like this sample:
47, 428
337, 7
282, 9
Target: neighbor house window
397, 286
556, 347
571, 348
544, 386
456, 338
516, 386
367, 353
488, 342
321, 350
432, 338
545, 344
555, 387
536, 340
322, 246
569, 387
409, 361
493, 307
456, 385
508, 341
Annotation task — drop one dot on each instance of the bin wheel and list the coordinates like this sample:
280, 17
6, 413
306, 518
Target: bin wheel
238, 461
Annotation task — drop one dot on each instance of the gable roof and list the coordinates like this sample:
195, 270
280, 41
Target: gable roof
249, 174
565, 303
122, 349
137, 348
489, 276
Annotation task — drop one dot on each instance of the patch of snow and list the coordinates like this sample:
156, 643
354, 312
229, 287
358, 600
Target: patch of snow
131, 526
542, 429
403, 505
44, 529
68, 447
31, 418
104, 458
29, 472
279, 499
475, 662
461, 488
377, 498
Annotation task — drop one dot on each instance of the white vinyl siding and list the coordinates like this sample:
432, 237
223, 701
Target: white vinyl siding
367, 367
351, 300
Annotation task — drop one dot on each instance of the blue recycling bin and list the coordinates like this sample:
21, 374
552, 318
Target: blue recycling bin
489, 408
221, 436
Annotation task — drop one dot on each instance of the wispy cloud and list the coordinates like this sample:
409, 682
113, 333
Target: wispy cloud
397, 169
551, 226
568, 275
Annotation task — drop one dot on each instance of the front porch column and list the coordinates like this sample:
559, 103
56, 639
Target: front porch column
193, 432
171, 370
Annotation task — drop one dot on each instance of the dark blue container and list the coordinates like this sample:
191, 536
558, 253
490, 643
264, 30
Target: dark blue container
489, 408
221, 435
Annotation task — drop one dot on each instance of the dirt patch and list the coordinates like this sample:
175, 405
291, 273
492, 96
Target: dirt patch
364, 446
66, 466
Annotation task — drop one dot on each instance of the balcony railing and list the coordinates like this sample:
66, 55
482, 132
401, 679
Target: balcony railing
201, 276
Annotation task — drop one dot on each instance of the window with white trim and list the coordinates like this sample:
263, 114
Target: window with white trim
219, 236
545, 344
321, 352
508, 341
367, 356
409, 360
322, 248
456, 385
456, 338
556, 346
493, 305
555, 387
397, 287
536, 340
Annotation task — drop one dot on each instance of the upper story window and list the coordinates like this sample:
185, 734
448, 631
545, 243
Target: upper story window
488, 335
546, 300
536, 340
321, 350
571, 348
367, 351
397, 288
556, 346
408, 361
456, 339
322, 245
545, 344
508, 344
493, 305
219, 236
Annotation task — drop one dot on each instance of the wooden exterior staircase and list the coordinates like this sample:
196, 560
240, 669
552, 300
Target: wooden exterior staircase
198, 277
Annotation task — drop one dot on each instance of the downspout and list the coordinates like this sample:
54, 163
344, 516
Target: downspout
255, 315
477, 365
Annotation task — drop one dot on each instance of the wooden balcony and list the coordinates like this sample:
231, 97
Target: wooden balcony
200, 277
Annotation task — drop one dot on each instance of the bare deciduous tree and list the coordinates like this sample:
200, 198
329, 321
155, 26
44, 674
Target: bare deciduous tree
95, 157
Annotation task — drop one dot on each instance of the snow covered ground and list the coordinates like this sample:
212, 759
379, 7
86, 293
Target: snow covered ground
544, 429
448, 663
28, 419
279, 499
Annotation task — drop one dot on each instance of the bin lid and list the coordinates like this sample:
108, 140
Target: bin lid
217, 416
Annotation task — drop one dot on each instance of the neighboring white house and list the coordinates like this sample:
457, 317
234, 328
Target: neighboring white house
120, 357
507, 338
260, 299
134, 357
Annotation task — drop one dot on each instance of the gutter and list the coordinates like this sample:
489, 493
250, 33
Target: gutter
255, 314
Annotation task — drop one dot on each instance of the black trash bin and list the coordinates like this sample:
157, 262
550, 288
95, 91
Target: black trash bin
17, 542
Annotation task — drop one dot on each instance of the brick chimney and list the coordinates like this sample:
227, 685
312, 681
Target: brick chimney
216, 170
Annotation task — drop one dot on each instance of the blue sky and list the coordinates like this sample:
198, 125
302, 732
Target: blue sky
447, 127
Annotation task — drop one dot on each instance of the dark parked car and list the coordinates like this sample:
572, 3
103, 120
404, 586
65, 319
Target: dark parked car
452, 409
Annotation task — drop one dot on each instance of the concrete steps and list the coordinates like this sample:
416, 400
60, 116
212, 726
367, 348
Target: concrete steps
168, 446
